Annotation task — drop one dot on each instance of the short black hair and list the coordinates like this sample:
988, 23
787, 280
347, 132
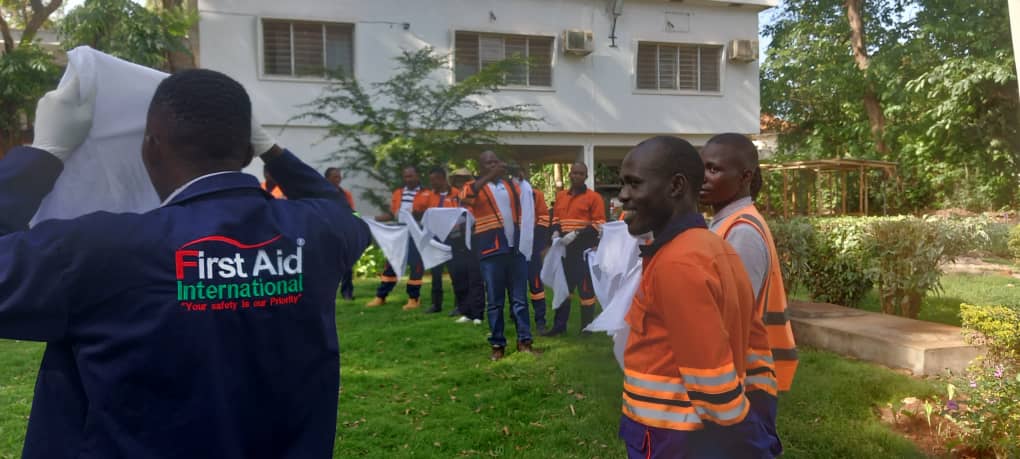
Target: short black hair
209, 114
678, 156
438, 170
330, 169
742, 145
748, 154
412, 167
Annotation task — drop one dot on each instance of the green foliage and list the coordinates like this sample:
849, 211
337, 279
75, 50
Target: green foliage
985, 404
905, 257
794, 240
944, 73
997, 240
1014, 242
414, 117
837, 276
128, 30
27, 73
371, 263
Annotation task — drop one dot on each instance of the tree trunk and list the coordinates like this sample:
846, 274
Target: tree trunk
177, 60
872, 104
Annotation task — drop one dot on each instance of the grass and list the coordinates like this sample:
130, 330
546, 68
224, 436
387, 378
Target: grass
420, 386
977, 289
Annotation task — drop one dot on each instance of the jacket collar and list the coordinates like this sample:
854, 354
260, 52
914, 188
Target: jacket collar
216, 183
674, 228
583, 190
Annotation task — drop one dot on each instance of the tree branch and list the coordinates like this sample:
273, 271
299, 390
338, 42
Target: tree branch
5, 29
40, 13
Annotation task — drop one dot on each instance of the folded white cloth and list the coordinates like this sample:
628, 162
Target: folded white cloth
440, 221
433, 253
553, 274
527, 219
393, 240
616, 275
106, 171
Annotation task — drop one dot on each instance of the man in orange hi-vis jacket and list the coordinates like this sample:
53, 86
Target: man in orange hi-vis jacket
698, 373
731, 171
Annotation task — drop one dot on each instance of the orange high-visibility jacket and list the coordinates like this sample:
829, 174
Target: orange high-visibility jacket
397, 199
572, 212
541, 209
427, 199
772, 297
489, 237
696, 343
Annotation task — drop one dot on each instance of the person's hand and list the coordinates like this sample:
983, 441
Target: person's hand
63, 119
569, 238
261, 141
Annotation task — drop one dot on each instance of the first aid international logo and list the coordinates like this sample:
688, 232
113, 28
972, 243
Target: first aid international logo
220, 273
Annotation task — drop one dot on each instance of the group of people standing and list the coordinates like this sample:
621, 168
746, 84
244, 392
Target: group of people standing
512, 228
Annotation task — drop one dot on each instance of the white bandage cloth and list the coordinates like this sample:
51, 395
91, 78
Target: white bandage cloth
615, 275
106, 171
527, 220
552, 272
440, 221
392, 239
433, 253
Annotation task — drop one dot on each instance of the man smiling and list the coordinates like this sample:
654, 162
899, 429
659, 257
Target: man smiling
697, 343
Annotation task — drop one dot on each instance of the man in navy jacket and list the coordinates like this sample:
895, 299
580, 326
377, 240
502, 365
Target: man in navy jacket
203, 328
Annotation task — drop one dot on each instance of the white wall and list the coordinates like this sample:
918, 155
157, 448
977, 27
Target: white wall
592, 94
593, 100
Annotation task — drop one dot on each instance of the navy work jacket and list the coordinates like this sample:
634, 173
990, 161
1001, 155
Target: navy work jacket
202, 329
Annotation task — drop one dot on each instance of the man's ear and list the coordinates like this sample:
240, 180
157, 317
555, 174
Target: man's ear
678, 185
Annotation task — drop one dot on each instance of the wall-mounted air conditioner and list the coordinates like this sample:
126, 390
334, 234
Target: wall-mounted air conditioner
578, 42
743, 50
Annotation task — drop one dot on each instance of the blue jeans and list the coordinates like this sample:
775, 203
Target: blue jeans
506, 273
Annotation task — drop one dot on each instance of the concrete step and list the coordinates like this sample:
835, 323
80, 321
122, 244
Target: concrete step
924, 348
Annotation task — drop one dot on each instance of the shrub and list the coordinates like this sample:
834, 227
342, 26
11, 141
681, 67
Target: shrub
371, 263
985, 404
1014, 242
997, 243
794, 239
837, 276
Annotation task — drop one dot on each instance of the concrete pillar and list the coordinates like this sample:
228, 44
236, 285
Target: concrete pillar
588, 158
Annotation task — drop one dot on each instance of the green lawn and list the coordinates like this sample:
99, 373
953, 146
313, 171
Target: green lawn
417, 385
977, 289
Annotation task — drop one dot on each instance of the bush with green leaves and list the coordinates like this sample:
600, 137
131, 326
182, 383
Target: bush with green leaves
1014, 242
985, 403
794, 239
371, 263
837, 275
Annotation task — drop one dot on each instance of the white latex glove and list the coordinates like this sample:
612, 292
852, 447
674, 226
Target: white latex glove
63, 118
556, 235
261, 141
569, 238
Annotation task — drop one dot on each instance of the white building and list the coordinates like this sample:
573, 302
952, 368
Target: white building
680, 67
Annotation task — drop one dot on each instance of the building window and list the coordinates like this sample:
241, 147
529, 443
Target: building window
663, 67
473, 51
306, 49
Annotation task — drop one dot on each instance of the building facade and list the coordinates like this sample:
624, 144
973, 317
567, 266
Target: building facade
630, 70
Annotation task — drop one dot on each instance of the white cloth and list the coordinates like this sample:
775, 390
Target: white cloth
392, 239
506, 213
106, 171
553, 274
615, 275
407, 198
527, 219
440, 221
433, 253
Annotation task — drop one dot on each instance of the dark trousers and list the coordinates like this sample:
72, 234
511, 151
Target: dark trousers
347, 285
389, 276
437, 285
579, 279
468, 286
536, 288
506, 273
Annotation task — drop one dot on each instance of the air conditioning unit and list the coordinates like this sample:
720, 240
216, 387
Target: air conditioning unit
578, 42
743, 50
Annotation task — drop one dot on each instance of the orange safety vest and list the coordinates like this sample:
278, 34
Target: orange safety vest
772, 298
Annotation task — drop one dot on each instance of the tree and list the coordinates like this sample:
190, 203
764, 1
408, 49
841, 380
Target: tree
925, 83
26, 70
413, 118
128, 30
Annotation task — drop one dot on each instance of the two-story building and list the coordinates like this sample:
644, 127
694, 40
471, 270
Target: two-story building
604, 74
